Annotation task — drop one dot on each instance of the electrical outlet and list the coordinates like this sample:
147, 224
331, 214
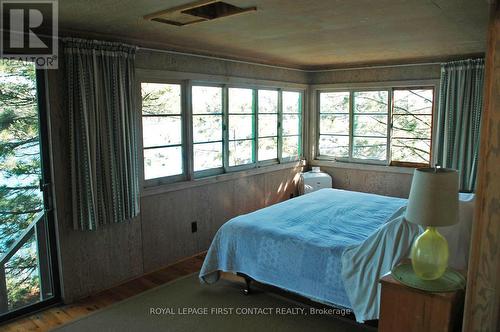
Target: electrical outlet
194, 227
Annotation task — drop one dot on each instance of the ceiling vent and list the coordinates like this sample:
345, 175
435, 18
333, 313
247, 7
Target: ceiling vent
196, 12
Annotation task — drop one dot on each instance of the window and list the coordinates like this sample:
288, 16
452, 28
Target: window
162, 130
207, 127
292, 121
334, 124
359, 125
241, 121
412, 125
229, 129
268, 125
370, 111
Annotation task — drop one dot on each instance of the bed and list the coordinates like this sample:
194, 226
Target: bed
331, 246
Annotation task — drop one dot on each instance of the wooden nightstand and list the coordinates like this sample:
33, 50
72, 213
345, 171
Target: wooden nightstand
407, 309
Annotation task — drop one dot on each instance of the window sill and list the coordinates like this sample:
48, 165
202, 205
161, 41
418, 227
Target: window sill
363, 167
176, 186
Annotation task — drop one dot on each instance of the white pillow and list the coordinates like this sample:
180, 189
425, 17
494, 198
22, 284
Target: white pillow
459, 235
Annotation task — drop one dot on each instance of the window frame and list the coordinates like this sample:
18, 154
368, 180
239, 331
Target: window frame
390, 86
169, 178
278, 113
301, 135
215, 170
255, 129
187, 81
433, 117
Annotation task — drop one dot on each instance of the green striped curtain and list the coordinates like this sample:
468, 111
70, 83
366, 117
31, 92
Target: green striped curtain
459, 118
100, 98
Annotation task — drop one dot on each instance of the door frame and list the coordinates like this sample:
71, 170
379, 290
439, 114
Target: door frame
48, 199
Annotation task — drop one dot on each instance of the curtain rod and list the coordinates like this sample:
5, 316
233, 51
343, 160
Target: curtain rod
283, 67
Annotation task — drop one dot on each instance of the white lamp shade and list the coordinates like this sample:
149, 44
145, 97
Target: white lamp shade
433, 197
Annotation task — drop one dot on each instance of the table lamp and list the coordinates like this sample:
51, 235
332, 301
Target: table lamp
433, 202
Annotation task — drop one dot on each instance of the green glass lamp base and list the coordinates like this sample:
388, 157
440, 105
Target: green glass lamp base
429, 255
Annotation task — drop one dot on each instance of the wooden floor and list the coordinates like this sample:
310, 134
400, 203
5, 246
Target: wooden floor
50, 318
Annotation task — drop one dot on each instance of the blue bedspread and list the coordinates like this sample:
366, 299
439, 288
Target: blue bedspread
297, 244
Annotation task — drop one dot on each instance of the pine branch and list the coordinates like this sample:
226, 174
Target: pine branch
25, 279
13, 145
19, 188
20, 267
400, 108
414, 150
15, 213
420, 96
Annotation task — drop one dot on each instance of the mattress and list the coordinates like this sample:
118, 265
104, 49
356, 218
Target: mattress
297, 245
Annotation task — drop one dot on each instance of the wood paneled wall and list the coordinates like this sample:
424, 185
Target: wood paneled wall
166, 218
147, 59
482, 307
377, 182
378, 74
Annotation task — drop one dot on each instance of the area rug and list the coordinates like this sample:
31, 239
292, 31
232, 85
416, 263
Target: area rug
187, 305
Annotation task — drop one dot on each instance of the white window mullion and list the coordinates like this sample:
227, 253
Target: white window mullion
225, 127
280, 125
300, 142
187, 111
351, 123
316, 116
255, 110
390, 94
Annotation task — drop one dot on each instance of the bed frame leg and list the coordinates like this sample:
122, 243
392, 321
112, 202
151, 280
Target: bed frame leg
246, 291
248, 280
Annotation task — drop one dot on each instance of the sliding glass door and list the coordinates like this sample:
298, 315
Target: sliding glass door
27, 278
